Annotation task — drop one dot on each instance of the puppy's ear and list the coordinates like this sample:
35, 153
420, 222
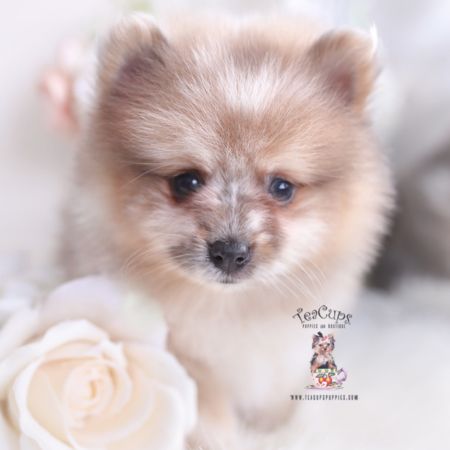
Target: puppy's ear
133, 47
344, 62
316, 338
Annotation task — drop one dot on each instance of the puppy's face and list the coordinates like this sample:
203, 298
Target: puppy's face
323, 345
230, 160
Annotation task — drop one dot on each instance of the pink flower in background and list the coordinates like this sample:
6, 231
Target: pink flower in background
87, 369
59, 85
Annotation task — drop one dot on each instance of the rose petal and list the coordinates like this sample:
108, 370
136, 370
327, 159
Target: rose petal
28, 444
70, 331
165, 427
12, 365
101, 431
17, 330
109, 305
28, 425
55, 337
8, 437
44, 403
91, 298
162, 366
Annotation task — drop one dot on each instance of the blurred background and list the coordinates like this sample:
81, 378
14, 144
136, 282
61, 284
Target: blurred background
400, 335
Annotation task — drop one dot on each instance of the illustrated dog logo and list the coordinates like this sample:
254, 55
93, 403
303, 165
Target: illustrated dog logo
324, 370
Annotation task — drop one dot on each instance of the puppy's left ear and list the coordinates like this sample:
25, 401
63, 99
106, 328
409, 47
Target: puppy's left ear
345, 63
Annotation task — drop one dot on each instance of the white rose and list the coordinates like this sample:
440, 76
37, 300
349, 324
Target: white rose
87, 369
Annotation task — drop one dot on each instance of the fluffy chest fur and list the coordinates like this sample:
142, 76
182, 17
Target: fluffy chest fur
258, 360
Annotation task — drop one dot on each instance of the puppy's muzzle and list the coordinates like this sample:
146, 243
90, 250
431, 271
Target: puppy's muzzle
229, 256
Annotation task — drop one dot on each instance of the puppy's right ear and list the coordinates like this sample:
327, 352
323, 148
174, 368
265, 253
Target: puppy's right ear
133, 46
316, 338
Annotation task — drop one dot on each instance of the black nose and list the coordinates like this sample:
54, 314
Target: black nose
229, 256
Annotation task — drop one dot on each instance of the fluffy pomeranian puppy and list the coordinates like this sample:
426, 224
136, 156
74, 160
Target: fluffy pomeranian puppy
230, 168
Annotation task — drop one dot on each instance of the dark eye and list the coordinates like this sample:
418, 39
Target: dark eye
281, 189
185, 184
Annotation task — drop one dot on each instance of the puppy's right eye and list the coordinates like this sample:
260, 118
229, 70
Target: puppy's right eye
185, 184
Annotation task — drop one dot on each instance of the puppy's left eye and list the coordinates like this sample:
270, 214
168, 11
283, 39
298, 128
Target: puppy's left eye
281, 190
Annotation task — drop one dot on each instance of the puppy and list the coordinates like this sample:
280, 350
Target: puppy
322, 358
229, 167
